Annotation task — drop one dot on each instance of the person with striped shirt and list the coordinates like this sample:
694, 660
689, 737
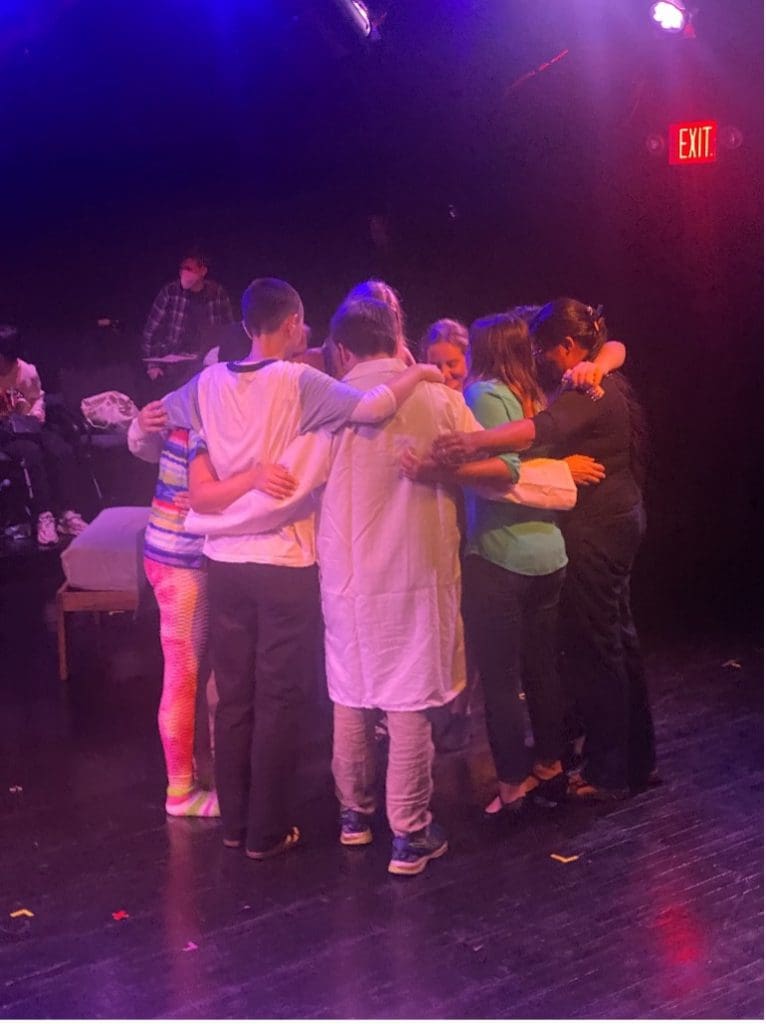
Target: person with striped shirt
175, 567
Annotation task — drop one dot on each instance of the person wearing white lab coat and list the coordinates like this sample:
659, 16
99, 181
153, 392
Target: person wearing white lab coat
388, 550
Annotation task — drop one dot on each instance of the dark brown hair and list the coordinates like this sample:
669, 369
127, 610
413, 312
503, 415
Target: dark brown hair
365, 327
568, 318
266, 304
501, 349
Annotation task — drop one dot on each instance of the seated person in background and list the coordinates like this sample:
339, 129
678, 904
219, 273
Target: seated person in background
48, 459
183, 313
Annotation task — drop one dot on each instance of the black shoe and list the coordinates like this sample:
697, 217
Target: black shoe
582, 790
549, 792
506, 811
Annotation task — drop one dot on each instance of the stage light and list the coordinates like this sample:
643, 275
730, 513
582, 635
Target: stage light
356, 11
670, 15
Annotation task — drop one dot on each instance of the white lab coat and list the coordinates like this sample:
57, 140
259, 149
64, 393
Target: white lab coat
388, 548
388, 552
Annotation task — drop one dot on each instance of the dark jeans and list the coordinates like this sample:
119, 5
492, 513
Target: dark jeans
603, 664
52, 469
512, 623
264, 628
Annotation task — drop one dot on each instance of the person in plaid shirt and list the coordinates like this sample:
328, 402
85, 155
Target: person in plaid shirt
183, 312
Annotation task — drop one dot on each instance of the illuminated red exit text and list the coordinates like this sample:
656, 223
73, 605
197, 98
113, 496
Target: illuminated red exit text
693, 142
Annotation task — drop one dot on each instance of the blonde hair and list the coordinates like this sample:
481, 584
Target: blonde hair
383, 293
451, 331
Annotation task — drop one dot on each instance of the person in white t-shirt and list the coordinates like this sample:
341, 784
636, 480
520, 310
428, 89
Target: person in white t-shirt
263, 587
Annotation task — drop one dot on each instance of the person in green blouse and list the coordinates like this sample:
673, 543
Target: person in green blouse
513, 575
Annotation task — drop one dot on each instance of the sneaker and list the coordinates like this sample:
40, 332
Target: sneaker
47, 534
411, 853
354, 828
18, 533
71, 524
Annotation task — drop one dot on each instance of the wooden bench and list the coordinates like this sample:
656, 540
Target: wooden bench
95, 601
103, 567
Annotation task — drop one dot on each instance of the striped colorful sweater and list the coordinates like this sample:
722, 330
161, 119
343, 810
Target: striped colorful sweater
166, 540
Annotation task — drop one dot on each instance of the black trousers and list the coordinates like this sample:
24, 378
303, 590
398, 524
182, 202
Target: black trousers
264, 630
52, 469
512, 623
603, 666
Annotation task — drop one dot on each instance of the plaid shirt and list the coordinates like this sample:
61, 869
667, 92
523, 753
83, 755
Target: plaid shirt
165, 327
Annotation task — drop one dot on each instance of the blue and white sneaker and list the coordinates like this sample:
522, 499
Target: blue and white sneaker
355, 828
411, 853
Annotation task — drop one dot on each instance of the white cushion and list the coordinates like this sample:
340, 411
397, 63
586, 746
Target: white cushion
108, 554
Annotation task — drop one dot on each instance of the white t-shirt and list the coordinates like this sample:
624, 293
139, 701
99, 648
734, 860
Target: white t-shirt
247, 413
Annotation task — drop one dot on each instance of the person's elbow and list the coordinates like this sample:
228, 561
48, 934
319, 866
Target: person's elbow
203, 504
201, 499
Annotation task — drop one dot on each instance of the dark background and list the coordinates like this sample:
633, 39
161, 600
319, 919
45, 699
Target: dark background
270, 133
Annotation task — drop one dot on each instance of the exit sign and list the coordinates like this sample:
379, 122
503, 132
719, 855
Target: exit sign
693, 142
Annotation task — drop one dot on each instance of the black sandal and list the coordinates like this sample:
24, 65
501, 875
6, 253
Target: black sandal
549, 792
581, 789
512, 809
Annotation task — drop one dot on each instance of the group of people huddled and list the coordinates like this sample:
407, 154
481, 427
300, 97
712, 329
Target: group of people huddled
352, 496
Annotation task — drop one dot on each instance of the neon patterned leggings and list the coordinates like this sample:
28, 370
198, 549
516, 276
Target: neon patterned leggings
182, 599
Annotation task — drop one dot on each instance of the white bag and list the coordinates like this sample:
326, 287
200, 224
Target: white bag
110, 410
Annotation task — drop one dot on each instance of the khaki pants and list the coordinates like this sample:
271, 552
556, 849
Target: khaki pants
410, 758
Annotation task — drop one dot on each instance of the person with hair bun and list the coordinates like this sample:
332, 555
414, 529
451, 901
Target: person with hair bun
602, 533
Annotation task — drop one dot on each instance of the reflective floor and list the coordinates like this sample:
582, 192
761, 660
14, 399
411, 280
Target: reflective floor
132, 915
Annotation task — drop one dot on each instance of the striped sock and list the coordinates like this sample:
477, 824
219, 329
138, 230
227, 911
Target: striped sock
194, 803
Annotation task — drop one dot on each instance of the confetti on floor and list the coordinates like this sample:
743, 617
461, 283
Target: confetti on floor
15, 789
190, 947
22, 913
564, 860
732, 663
120, 915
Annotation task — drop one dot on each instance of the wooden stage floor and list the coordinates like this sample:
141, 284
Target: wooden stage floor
660, 915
